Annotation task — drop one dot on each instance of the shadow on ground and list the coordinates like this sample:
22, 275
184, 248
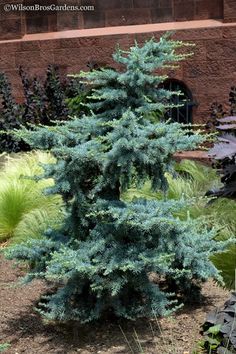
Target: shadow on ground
24, 330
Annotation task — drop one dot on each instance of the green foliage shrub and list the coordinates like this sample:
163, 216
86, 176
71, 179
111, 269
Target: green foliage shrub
25, 211
101, 259
191, 181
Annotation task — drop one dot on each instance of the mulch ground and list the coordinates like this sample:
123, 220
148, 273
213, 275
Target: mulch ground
23, 329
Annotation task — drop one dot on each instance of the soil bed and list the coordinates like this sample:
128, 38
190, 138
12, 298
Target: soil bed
24, 330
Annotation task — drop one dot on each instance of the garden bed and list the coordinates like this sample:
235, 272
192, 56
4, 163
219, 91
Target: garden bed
23, 329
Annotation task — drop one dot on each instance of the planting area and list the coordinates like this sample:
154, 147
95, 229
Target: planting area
120, 243
27, 333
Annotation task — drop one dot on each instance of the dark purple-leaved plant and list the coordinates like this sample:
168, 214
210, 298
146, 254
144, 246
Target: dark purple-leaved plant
216, 112
44, 103
224, 152
220, 329
10, 118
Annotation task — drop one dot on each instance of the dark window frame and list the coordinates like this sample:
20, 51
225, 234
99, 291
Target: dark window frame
183, 114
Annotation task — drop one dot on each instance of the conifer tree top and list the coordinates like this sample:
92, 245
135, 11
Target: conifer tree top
136, 86
125, 135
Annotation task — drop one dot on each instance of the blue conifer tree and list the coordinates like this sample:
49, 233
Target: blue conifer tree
102, 258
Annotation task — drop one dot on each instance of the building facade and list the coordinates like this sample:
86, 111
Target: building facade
71, 39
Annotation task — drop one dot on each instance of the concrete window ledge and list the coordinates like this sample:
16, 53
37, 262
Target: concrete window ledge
122, 30
197, 155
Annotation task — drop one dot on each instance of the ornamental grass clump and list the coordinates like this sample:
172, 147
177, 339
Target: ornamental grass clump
192, 181
25, 211
101, 259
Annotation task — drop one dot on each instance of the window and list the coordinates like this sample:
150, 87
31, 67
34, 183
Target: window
182, 114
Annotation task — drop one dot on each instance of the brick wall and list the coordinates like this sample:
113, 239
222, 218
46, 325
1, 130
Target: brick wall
209, 74
185, 10
11, 23
37, 21
229, 10
109, 13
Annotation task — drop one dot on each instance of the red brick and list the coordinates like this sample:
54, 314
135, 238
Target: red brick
43, 13
209, 74
194, 70
13, 76
7, 61
184, 10
63, 57
69, 2
229, 32
165, 3
113, 4
198, 155
176, 74
209, 9
199, 51
147, 4
77, 42
162, 14
229, 10
5, 15
224, 49
89, 2
10, 29
94, 19
127, 17
97, 55
119, 12
141, 38
29, 46
52, 23
9, 48
67, 20
199, 34
39, 72
34, 59
37, 24
49, 44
